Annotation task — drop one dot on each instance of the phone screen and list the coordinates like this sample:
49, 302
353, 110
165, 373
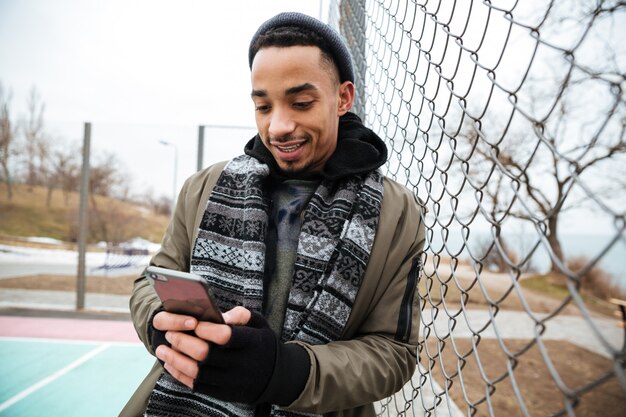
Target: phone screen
185, 294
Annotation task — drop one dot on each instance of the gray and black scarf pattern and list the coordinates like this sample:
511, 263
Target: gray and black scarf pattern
335, 242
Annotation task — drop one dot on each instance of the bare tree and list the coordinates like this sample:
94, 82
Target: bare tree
106, 175
7, 137
105, 179
162, 205
564, 142
65, 174
539, 175
36, 143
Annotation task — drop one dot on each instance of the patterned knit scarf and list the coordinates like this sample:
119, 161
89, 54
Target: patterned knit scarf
333, 250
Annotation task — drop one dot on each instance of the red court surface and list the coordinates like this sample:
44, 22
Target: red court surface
68, 329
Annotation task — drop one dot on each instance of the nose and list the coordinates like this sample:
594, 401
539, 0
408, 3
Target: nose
281, 124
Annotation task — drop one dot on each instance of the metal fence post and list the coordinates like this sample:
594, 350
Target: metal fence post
83, 220
200, 147
352, 26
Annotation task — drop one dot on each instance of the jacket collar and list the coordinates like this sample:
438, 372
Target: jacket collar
359, 151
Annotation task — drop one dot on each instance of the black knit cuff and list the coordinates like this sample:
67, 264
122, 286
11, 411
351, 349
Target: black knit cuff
290, 375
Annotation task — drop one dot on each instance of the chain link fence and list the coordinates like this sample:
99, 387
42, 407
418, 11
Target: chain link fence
508, 120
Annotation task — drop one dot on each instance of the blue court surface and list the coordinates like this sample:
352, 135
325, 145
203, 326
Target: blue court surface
53, 377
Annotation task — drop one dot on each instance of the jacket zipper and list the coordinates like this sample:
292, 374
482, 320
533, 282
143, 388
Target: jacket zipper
406, 309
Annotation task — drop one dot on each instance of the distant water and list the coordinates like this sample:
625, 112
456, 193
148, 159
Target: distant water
589, 246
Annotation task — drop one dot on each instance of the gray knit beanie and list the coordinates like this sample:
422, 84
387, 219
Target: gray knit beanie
338, 48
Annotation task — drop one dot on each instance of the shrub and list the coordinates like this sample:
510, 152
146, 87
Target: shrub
595, 281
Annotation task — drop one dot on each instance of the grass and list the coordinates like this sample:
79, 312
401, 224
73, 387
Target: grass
21, 218
543, 284
546, 285
28, 214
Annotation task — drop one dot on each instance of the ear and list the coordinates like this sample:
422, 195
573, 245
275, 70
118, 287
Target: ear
346, 97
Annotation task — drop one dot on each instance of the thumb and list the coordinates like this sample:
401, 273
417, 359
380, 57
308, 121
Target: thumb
238, 316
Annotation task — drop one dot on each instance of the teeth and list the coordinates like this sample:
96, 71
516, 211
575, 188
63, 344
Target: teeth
289, 148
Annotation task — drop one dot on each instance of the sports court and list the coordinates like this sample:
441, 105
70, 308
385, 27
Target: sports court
68, 367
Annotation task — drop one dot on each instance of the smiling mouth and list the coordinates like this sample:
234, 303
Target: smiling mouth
288, 149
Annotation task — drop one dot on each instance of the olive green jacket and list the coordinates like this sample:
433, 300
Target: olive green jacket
377, 353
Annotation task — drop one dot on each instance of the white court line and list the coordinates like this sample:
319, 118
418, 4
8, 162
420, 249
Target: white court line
45, 340
21, 395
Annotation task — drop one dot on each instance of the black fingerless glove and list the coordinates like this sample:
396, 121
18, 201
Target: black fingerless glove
254, 367
157, 337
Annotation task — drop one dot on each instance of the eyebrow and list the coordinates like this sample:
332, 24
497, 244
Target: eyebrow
300, 88
288, 92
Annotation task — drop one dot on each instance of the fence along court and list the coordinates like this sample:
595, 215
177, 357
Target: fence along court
507, 119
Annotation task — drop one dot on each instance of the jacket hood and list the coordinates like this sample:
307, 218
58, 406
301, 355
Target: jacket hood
359, 151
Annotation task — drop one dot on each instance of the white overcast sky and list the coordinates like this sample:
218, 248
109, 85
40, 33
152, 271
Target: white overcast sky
140, 71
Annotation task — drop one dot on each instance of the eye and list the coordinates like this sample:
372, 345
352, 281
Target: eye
302, 105
262, 108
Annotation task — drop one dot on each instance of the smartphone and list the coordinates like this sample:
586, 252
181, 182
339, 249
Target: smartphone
184, 293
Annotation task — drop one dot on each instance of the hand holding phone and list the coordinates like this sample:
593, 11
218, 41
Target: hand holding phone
184, 293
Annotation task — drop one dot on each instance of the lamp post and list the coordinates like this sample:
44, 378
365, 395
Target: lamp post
174, 188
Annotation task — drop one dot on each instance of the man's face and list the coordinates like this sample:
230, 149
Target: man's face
298, 102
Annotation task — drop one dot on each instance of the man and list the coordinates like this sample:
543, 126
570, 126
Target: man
311, 253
